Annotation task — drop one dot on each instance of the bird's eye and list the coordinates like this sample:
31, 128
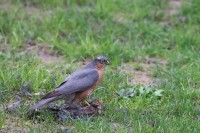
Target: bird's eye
101, 61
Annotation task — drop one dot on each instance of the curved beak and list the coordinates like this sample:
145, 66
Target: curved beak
107, 62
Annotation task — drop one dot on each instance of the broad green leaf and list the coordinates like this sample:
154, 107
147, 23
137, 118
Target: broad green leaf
129, 92
158, 93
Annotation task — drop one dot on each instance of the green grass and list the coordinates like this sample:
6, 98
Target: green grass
120, 30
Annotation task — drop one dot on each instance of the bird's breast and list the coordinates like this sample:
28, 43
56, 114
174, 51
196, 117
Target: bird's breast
100, 72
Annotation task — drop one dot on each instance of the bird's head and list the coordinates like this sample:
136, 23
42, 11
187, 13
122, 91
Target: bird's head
101, 62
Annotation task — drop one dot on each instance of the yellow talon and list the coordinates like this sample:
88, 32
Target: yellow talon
86, 102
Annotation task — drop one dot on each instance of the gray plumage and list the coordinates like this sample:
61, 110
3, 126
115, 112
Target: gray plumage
76, 82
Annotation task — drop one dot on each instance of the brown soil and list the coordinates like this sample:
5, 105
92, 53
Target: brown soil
174, 6
4, 5
141, 72
13, 124
44, 52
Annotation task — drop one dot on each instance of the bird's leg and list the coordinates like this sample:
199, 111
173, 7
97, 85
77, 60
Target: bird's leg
87, 103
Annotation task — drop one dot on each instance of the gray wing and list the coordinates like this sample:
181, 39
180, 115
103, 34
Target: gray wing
77, 73
78, 81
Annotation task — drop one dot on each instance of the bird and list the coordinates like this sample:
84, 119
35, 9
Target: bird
77, 86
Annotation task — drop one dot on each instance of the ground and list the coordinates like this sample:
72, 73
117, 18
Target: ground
152, 84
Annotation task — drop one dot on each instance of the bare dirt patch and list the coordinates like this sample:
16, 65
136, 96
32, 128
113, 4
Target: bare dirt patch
5, 5
141, 71
121, 18
32, 8
45, 56
13, 124
174, 6
44, 52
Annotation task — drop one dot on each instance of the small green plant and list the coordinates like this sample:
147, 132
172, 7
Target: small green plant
139, 90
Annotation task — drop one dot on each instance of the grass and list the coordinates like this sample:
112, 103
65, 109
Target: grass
120, 30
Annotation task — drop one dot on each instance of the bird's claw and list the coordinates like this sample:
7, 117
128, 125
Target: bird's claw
87, 103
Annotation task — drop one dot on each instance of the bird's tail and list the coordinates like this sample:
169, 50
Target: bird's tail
39, 104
